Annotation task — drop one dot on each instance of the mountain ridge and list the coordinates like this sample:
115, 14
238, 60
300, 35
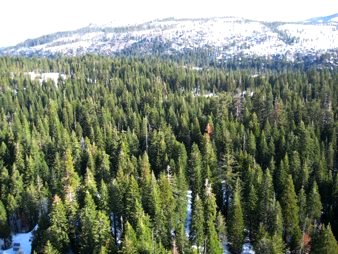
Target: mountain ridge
226, 35
324, 19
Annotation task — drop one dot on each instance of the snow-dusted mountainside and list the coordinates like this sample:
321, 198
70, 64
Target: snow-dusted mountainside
227, 36
325, 19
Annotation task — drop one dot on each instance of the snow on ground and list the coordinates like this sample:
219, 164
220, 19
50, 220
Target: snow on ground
311, 37
230, 35
226, 248
25, 241
189, 213
247, 248
54, 76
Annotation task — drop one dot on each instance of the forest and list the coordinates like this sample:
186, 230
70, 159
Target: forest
143, 155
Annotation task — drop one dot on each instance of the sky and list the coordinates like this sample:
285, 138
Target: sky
24, 19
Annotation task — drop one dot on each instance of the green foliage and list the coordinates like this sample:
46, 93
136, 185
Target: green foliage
4, 227
144, 234
196, 170
49, 249
212, 241
236, 222
324, 242
267, 244
129, 245
197, 223
314, 205
290, 214
123, 139
59, 228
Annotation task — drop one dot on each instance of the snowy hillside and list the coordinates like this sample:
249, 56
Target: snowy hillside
228, 36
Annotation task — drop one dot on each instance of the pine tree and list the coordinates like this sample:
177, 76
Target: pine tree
196, 170
213, 244
220, 226
314, 205
144, 233
277, 244
168, 206
251, 209
132, 202
197, 222
180, 191
104, 197
145, 171
263, 151
269, 245
16, 188
209, 156
334, 209
196, 136
235, 221
228, 175
302, 207
324, 242
102, 233
295, 170
71, 180
263, 244
4, 227
88, 217
59, 229
251, 144
129, 242
290, 214
266, 201
50, 249
153, 203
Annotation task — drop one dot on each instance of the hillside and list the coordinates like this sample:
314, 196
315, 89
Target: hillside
224, 36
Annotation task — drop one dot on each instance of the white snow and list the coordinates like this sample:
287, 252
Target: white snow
25, 241
311, 37
247, 249
54, 76
230, 36
189, 213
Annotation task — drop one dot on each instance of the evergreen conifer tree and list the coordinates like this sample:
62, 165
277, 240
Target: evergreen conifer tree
197, 223
235, 221
290, 214
324, 242
129, 242
59, 229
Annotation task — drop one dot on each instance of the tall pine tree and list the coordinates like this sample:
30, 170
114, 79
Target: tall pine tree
236, 222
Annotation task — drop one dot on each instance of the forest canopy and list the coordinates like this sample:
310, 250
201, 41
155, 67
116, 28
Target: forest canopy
103, 159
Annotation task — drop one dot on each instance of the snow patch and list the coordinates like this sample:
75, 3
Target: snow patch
247, 249
189, 213
54, 76
21, 241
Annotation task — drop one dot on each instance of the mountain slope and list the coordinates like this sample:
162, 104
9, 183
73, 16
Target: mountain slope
324, 19
227, 36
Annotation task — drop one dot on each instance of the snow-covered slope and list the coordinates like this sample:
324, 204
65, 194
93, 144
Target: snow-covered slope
227, 36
